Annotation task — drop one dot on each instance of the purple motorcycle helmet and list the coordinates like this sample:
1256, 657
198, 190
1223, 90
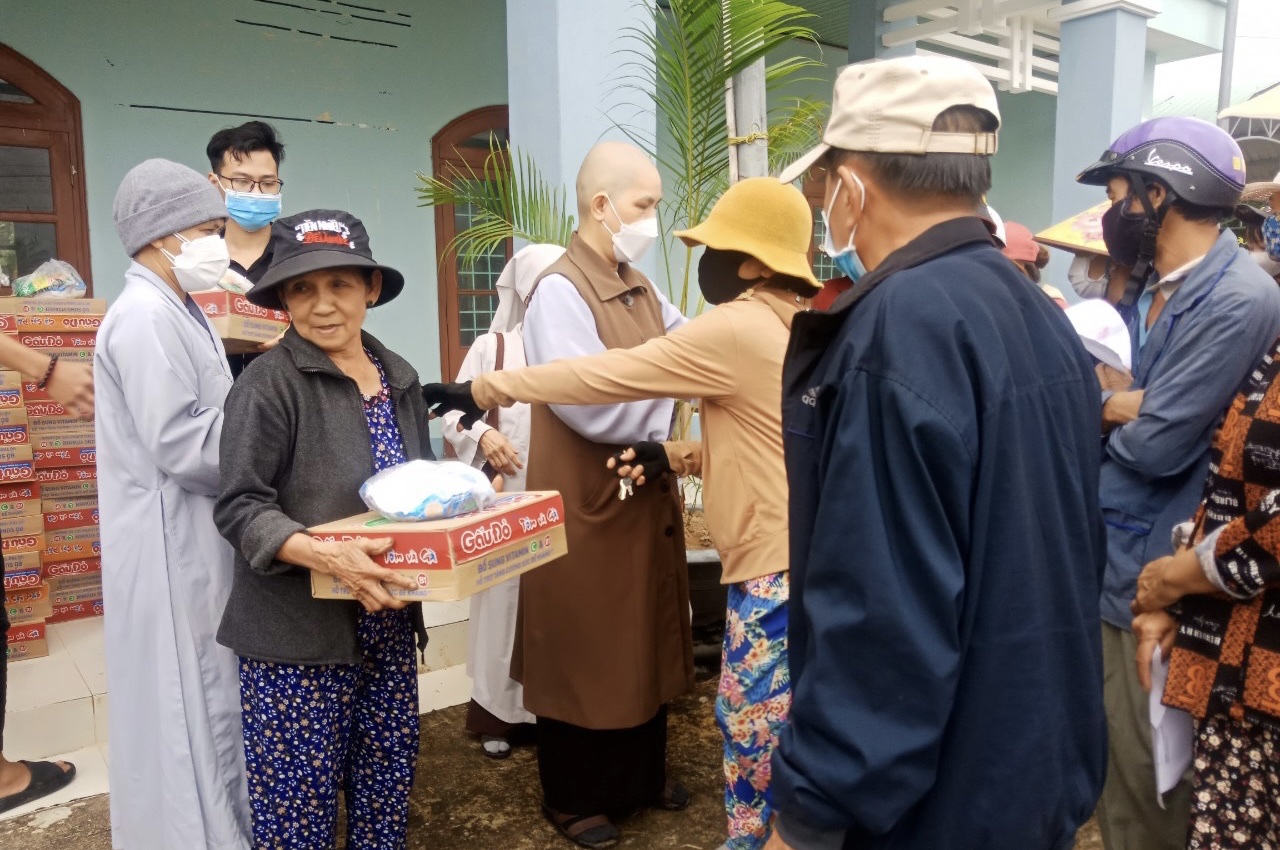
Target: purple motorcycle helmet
1198, 161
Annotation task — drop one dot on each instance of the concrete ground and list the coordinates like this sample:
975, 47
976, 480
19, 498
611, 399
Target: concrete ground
463, 801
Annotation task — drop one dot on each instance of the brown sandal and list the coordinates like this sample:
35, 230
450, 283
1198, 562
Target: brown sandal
592, 831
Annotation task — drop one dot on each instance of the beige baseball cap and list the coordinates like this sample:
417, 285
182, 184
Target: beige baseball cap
889, 106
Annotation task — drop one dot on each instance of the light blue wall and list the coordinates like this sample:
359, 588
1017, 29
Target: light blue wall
193, 55
1022, 169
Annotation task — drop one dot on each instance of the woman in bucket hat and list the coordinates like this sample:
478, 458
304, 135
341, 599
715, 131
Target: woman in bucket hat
756, 269
329, 689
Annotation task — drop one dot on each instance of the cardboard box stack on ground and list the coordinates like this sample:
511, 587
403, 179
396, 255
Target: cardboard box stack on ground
48, 480
452, 559
242, 326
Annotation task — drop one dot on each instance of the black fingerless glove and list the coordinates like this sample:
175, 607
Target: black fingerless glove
443, 398
651, 455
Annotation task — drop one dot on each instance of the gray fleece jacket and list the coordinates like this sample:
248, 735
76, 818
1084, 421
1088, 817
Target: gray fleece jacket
295, 450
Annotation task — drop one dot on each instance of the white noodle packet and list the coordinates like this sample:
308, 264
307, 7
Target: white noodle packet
426, 489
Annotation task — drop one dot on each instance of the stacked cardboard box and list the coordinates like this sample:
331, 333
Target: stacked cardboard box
48, 480
242, 326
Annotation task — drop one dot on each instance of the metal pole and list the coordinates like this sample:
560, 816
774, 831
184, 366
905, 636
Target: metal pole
750, 122
1228, 59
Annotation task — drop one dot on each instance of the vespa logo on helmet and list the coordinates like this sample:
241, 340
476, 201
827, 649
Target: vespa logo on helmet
1156, 161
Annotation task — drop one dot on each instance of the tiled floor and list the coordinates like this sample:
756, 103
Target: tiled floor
90, 781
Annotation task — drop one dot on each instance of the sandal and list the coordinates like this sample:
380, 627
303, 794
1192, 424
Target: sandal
593, 831
495, 747
675, 797
46, 778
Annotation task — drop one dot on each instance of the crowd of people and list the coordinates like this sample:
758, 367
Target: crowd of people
957, 547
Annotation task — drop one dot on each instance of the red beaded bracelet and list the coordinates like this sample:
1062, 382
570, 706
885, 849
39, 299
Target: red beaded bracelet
48, 373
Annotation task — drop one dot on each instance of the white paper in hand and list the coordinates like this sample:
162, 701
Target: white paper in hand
1103, 332
1172, 732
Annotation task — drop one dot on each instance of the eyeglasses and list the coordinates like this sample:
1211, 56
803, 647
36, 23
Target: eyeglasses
269, 186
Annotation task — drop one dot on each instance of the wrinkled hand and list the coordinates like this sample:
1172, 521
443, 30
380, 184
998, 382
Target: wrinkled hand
1115, 380
1121, 408
499, 452
71, 385
1152, 629
267, 346
1166, 580
351, 562
442, 398
642, 462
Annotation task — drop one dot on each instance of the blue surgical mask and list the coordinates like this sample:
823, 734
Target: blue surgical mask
846, 261
1271, 237
251, 210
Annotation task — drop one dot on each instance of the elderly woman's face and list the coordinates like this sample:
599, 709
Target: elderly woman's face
327, 307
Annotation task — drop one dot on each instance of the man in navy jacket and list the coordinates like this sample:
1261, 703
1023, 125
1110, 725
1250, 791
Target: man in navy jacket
941, 428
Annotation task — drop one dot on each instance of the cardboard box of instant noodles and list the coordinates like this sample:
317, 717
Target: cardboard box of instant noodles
452, 559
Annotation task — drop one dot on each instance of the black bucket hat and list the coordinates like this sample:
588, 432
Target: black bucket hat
314, 240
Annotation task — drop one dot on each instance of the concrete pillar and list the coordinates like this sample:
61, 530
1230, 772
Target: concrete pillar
567, 63
1102, 77
867, 28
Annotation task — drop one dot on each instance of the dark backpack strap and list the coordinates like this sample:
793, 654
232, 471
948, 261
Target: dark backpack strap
491, 418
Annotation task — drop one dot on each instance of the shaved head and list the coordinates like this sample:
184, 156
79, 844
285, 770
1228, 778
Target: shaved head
613, 169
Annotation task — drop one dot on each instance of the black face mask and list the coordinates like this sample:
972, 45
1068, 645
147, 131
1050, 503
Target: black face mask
1122, 232
718, 275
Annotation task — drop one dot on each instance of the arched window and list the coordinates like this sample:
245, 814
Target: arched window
467, 294
42, 204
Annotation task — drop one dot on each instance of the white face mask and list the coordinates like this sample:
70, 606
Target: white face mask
1263, 259
1085, 286
201, 263
634, 239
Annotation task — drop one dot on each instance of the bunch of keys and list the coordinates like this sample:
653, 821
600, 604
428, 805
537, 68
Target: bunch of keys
625, 488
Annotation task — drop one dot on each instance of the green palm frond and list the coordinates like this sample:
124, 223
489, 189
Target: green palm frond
684, 64
509, 199
798, 129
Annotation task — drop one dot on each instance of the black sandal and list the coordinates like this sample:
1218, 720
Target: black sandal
675, 797
593, 831
46, 778
502, 752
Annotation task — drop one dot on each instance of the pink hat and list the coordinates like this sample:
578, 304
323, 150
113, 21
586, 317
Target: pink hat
1018, 244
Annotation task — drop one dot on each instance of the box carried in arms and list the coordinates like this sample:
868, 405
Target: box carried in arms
452, 559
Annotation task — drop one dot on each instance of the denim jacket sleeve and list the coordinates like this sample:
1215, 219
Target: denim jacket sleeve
1201, 369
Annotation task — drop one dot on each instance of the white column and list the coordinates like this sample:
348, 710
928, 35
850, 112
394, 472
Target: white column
567, 66
1102, 77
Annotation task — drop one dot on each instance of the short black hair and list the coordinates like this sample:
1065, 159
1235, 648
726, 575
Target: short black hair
245, 139
920, 177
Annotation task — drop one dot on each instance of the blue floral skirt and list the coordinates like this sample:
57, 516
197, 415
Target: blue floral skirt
310, 731
753, 702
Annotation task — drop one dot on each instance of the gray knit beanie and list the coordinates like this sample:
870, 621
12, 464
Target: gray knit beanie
159, 197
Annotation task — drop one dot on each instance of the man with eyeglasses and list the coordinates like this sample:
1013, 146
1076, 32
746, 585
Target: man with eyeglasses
244, 163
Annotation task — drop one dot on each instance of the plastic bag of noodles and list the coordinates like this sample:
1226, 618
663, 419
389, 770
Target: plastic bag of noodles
427, 489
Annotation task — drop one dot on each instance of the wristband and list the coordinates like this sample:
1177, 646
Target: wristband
48, 373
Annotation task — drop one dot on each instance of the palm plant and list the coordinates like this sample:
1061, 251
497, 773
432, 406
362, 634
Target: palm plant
511, 200
683, 66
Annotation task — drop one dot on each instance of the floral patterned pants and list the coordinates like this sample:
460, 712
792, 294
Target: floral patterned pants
310, 731
753, 702
1235, 789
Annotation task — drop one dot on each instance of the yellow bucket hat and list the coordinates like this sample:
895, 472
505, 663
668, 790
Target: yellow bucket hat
769, 220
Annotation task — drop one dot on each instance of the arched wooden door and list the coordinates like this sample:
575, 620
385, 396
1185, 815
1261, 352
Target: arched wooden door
43, 214
468, 296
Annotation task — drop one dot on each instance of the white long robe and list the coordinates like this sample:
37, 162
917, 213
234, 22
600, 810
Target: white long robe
491, 629
176, 752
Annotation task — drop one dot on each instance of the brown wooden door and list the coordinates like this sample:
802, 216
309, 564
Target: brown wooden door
468, 296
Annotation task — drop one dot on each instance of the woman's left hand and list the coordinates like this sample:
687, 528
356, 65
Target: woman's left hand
1166, 580
1154, 629
500, 453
